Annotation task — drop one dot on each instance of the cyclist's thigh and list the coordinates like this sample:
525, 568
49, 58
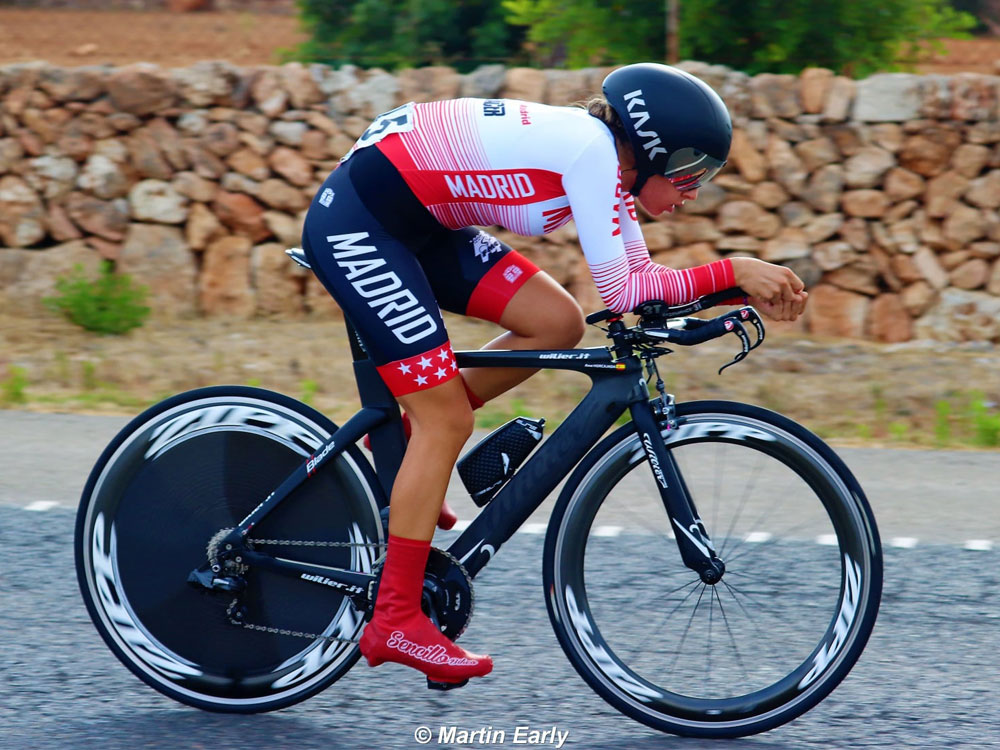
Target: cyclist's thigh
473, 273
380, 286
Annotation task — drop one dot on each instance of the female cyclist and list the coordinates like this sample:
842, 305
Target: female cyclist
391, 234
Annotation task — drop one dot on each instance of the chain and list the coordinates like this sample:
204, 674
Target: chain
236, 620
281, 631
310, 543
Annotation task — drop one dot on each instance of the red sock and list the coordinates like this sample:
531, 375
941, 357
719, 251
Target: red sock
400, 632
474, 401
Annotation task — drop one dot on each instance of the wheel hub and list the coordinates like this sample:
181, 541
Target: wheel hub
714, 572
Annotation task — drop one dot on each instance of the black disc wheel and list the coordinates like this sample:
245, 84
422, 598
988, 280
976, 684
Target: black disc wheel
789, 616
170, 481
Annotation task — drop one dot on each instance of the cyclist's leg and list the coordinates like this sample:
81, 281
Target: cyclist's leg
381, 287
473, 273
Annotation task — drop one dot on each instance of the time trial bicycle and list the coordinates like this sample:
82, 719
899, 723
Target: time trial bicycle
710, 568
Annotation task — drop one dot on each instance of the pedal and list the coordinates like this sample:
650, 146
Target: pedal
437, 685
495, 458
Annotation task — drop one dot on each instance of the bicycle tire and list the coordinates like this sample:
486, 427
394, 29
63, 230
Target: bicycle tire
174, 476
829, 584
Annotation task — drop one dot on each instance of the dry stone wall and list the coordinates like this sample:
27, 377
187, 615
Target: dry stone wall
882, 194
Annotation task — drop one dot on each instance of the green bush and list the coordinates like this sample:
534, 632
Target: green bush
406, 33
985, 423
12, 387
111, 303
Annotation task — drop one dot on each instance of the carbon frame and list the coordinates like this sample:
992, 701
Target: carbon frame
617, 384
614, 386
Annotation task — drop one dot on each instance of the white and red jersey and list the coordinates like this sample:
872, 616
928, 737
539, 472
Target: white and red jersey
530, 168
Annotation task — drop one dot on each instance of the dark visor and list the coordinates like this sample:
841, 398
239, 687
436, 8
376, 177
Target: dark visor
689, 169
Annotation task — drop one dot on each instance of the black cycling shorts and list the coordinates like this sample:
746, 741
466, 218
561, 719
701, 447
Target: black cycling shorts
392, 268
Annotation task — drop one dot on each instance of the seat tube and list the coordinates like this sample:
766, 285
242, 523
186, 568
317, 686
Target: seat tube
693, 541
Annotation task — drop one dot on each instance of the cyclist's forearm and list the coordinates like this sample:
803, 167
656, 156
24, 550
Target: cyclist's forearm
622, 289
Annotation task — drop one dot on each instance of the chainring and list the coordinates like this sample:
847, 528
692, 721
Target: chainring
448, 596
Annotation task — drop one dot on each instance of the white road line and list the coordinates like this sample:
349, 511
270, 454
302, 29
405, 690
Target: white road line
903, 542
534, 528
461, 525
979, 545
42, 505
607, 531
756, 537
827, 540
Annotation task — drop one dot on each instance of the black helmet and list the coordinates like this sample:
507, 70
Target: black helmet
677, 125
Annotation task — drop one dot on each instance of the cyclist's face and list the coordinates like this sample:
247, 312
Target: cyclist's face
659, 195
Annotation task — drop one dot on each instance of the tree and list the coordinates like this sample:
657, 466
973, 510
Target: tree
851, 36
854, 37
397, 33
578, 33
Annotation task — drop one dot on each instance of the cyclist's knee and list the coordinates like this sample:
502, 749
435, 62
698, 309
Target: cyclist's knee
445, 418
567, 323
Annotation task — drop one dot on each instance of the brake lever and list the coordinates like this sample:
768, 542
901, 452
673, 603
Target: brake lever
749, 313
737, 327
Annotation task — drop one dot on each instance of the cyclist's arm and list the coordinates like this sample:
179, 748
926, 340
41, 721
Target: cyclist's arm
603, 222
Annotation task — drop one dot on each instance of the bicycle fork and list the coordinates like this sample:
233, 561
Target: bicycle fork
693, 541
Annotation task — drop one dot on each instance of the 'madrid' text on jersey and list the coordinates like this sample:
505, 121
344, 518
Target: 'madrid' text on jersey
494, 185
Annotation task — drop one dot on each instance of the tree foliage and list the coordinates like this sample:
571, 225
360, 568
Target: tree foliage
398, 33
851, 36
855, 37
578, 33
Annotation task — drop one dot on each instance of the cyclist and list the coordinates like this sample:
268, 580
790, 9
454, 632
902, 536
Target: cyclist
392, 235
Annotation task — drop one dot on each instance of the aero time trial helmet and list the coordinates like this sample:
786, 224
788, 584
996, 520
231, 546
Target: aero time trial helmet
677, 125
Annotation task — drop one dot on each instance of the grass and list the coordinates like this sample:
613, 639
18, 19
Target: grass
856, 393
13, 388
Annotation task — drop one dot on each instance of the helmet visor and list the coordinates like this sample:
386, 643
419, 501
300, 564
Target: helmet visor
689, 168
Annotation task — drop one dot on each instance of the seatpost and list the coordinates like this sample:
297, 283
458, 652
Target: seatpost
616, 331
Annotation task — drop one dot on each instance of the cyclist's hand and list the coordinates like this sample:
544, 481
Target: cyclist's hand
775, 290
784, 310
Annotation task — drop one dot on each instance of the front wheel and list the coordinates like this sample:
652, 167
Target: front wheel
790, 616
173, 479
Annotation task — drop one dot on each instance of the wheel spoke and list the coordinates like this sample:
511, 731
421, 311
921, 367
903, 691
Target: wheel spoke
748, 491
687, 628
736, 649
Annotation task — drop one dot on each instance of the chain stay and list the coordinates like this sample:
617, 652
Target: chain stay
233, 619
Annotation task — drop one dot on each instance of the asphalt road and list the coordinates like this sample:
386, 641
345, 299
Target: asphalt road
928, 679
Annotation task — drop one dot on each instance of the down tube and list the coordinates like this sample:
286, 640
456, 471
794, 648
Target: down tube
608, 398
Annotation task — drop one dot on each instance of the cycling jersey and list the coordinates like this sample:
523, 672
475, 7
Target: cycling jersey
531, 168
389, 233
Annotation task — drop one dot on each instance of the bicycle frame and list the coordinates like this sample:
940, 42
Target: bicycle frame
617, 385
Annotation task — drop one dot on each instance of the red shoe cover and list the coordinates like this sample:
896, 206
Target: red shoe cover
417, 643
400, 632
